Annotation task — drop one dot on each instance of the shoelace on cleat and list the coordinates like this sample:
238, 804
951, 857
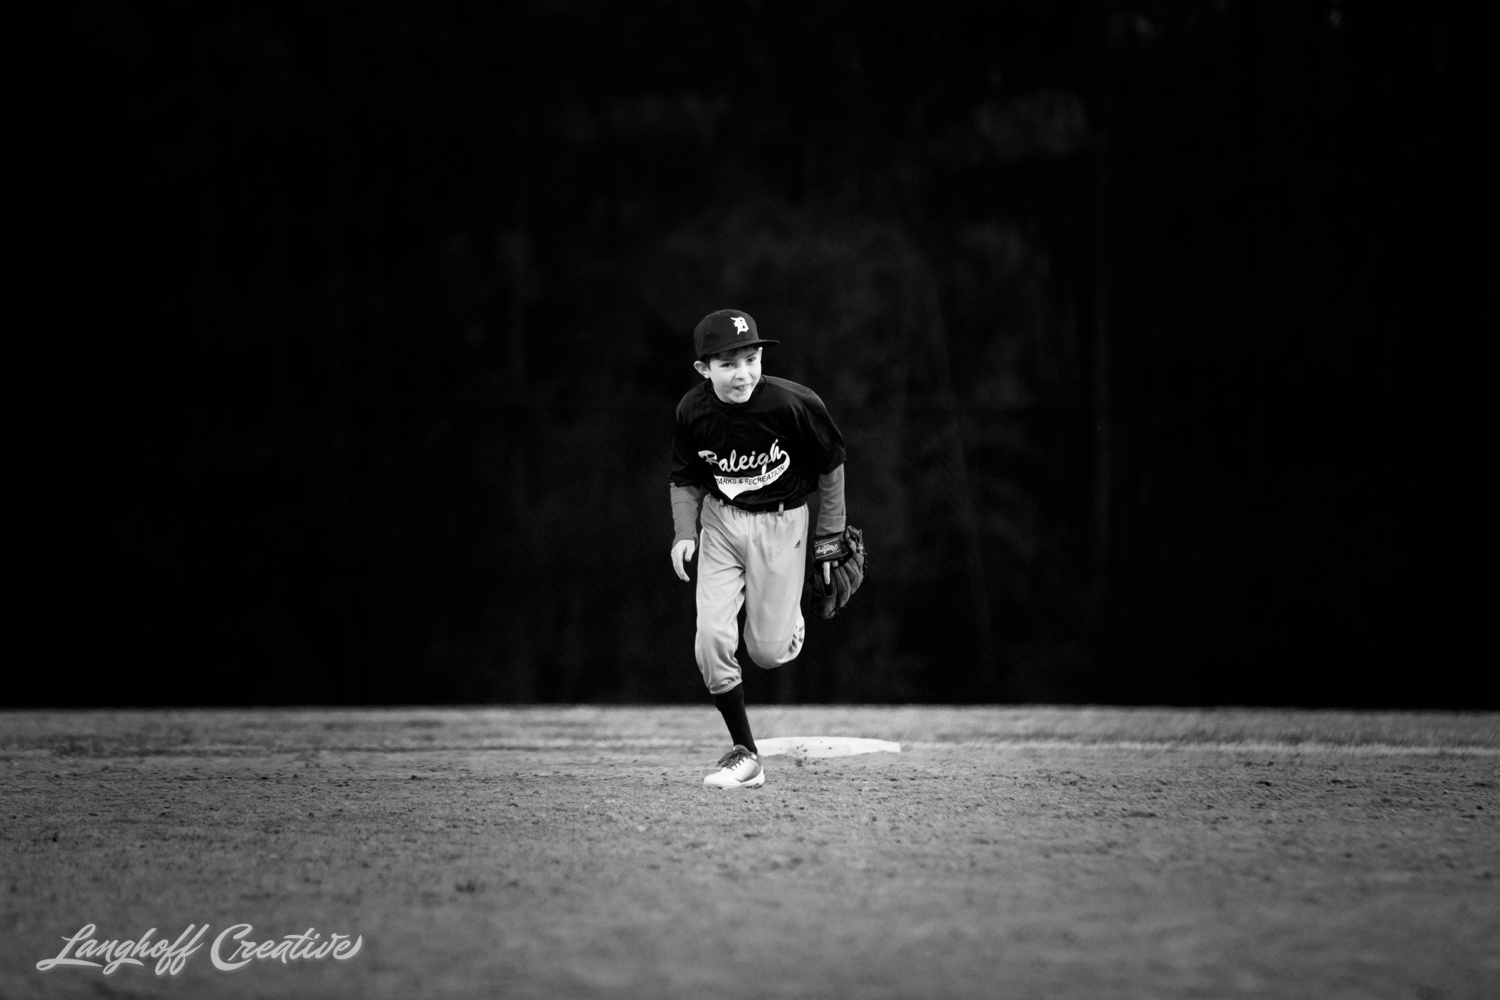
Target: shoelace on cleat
734, 756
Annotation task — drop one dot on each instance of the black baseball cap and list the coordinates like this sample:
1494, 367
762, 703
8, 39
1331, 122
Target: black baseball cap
726, 330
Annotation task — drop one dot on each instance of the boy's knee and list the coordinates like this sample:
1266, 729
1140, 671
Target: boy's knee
766, 659
769, 656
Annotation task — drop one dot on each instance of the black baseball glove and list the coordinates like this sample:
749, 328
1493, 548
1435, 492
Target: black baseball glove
838, 569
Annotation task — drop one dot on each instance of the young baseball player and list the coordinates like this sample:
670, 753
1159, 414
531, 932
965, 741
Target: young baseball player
748, 451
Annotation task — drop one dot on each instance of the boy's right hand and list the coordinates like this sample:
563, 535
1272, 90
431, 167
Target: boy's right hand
682, 553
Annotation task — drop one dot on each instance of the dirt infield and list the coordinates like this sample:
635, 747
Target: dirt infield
1049, 853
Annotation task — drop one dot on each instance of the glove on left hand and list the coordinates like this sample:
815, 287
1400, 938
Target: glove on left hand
845, 555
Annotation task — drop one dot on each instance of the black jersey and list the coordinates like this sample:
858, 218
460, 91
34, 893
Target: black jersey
769, 449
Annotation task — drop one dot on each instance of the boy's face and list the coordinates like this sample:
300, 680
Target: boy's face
733, 373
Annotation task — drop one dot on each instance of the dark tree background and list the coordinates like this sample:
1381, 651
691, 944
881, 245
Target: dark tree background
1153, 328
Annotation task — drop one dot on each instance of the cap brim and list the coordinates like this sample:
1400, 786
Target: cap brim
744, 343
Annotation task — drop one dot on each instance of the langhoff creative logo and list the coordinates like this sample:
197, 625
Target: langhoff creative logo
232, 949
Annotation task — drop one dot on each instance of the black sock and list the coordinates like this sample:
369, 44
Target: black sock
731, 705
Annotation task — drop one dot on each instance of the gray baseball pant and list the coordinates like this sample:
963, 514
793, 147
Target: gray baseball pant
755, 561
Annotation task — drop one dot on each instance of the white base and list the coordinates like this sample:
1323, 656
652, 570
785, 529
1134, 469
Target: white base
823, 746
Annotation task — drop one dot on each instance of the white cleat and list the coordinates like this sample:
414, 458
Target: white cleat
739, 768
